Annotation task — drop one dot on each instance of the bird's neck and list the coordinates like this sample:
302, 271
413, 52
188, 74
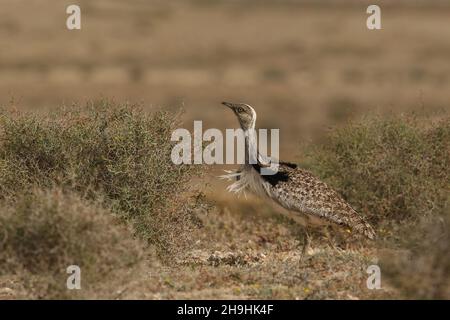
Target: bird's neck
251, 147
252, 155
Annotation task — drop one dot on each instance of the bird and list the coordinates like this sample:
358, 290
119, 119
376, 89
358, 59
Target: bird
307, 199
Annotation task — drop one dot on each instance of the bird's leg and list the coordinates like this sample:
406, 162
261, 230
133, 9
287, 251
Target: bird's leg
306, 242
337, 234
347, 240
330, 238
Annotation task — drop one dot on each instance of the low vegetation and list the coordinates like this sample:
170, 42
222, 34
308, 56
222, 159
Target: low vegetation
117, 154
87, 186
395, 171
95, 187
390, 169
44, 232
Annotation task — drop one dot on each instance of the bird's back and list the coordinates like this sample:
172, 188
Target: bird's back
298, 190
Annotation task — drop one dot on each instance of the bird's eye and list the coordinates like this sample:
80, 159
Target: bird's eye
240, 109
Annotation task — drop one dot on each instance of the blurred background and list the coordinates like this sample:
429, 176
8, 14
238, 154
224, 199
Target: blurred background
304, 65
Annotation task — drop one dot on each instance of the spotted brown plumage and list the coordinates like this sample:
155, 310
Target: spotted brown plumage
294, 188
298, 190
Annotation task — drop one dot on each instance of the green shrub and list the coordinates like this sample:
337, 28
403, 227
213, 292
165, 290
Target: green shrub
117, 153
44, 232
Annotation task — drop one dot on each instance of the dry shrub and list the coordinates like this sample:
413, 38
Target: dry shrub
423, 270
396, 172
116, 153
389, 169
44, 232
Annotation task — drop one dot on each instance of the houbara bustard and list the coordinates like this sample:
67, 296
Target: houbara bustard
307, 199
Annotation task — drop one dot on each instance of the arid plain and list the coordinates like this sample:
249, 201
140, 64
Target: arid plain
308, 67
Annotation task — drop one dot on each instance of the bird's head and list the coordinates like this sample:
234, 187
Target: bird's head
245, 114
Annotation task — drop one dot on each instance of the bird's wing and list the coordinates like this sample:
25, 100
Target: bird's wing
298, 190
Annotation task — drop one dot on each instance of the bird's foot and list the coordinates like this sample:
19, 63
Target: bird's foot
306, 248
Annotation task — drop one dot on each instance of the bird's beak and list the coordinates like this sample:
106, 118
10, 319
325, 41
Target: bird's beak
228, 104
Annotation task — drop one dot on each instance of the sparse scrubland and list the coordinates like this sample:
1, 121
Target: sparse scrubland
304, 66
70, 181
95, 187
395, 171
46, 231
